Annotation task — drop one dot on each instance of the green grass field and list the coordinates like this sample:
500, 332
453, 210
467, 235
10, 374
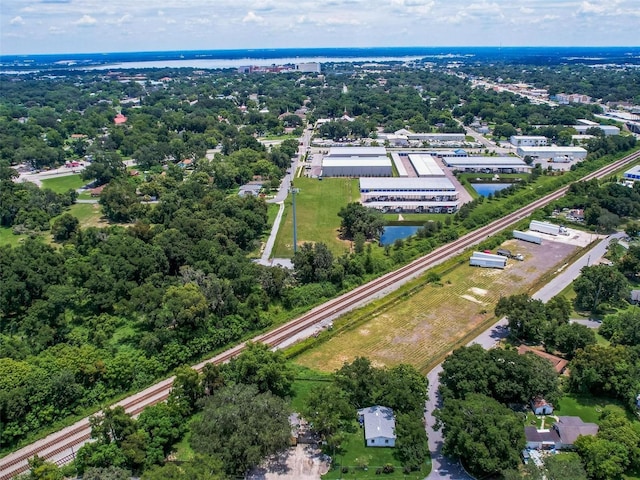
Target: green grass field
317, 207
354, 455
588, 408
304, 383
422, 325
89, 214
63, 184
8, 238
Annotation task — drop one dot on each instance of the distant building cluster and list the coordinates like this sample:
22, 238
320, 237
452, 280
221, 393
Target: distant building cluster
308, 67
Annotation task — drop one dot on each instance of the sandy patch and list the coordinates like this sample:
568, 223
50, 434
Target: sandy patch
364, 331
478, 291
472, 299
302, 462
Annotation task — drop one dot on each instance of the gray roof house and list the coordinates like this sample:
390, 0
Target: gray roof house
562, 435
379, 426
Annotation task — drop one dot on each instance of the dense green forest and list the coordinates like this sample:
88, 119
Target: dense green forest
106, 311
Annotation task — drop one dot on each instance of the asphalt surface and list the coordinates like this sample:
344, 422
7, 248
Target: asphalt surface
445, 468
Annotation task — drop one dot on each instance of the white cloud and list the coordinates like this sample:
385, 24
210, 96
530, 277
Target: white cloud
251, 17
126, 18
17, 20
526, 10
86, 21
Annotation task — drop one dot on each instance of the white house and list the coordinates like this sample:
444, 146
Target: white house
562, 435
379, 426
541, 407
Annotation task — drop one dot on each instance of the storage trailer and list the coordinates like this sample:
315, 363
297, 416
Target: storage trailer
527, 237
546, 227
486, 260
507, 253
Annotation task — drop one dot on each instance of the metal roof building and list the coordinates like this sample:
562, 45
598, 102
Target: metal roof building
356, 167
425, 165
550, 153
409, 194
528, 140
379, 426
357, 152
487, 164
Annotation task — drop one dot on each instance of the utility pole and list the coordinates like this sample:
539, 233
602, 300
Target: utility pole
295, 230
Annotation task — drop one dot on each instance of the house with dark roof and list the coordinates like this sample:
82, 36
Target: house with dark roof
562, 435
379, 426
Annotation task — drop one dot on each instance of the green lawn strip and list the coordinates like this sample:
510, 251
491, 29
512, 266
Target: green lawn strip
317, 207
64, 184
533, 420
7, 237
587, 407
182, 451
354, 455
306, 380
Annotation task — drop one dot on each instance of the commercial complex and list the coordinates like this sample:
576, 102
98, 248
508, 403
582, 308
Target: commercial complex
427, 194
487, 164
633, 174
553, 153
528, 140
357, 162
425, 165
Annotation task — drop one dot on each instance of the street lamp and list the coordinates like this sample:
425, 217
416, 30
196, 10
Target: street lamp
293, 203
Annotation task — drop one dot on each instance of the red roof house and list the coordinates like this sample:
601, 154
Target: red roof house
119, 119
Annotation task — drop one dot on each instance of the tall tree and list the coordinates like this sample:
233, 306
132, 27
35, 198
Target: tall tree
487, 436
241, 426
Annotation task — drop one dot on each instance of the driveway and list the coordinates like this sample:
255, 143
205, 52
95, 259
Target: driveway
302, 462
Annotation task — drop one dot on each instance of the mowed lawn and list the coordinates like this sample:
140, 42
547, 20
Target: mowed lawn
361, 462
317, 206
64, 184
423, 327
89, 214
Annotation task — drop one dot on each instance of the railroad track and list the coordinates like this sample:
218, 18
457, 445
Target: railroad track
73, 437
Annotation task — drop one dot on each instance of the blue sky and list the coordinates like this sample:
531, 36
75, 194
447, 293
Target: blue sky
75, 26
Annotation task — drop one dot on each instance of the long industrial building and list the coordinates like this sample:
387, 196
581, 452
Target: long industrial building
437, 137
357, 162
428, 194
487, 164
425, 165
553, 153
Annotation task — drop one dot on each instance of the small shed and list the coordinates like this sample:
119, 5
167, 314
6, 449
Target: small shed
635, 297
541, 407
379, 426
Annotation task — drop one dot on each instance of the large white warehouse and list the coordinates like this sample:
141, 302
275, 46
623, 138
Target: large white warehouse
357, 162
425, 165
553, 153
437, 137
356, 167
487, 164
428, 194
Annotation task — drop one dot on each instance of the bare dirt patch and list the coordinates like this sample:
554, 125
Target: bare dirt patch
430, 322
302, 462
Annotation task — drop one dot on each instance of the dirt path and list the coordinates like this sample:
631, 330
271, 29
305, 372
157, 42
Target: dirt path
303, 462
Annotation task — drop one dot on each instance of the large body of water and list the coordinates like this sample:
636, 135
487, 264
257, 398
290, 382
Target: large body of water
209, 59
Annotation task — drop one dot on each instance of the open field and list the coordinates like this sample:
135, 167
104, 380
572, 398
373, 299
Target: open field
89, 214
423, 327
317, 207
63, 184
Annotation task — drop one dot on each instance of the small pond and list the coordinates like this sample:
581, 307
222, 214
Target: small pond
391, 234
485, 189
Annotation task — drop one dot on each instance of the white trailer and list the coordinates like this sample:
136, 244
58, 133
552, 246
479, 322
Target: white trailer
489, 256
485, 262
527, 237
546, 227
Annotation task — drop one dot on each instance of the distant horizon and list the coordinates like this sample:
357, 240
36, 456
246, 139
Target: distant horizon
266, 49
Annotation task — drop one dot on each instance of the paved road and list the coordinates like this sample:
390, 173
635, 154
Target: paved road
445, 468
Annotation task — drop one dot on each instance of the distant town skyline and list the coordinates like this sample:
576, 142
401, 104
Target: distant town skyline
89, 26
